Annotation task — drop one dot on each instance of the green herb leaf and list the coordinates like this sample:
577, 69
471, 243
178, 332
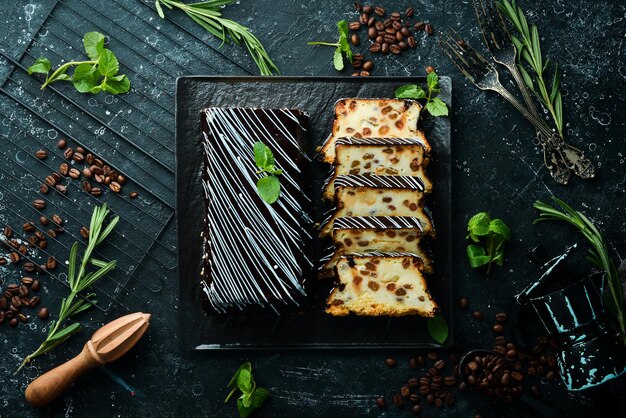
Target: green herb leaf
343, 28
338, 59
478, 225
476, 256
157, 5
245, 366
108, 65
252, 396
41, 66
437, 107
432, 80
268, 188
244, 381
497, 226
438, 328
117, 84
410, 91
85, 77
263, 156
94, 44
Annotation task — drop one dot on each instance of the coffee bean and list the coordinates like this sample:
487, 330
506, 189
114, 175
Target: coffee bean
433, 372
74, 173
364, 74
550, 375
78, 157
43, 313
449, 381
398, 400
68, 153
370, 22
84, 232
390, 39
511, 353
405, 391
14, 257
50, 181
368, 66
41, 154
497, 328
380, 402
26, 281
28, 227
419, 26
397, 26
39, 204
375, 48
61, 144
115, 186
16, 301
395, 49
51, 263
478, 315
463, 303
64, 169
34, 301
390, 362
61, 188
384, 49
43, 188
133, 195
352, 26
357, 64
501, 317
413, 382
409, 12
13, 289
372, 33
35, 286
356, 41
22, 318
96, 191
428, 28
368, 9
417, 409
379, 11
8, 232
42, 244
28, 267
89, 158
23, 290
430, 399
13, 322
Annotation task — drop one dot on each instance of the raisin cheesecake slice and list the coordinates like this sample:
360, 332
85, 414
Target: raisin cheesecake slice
369, 234
372, 118
381, 284
381, 157
379, 196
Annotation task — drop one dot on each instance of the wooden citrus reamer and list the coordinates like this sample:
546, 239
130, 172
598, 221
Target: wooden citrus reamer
107, 344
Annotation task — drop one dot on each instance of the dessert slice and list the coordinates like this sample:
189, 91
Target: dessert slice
369, 234
379, 196
372, 118
377, 284
381, 157
254, 253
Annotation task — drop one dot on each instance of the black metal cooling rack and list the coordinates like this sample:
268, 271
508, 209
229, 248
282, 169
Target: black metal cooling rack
133, 133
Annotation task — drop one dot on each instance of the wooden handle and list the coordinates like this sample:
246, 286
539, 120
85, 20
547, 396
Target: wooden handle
48, 386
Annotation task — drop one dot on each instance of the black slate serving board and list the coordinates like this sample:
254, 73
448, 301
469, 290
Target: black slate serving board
310, 327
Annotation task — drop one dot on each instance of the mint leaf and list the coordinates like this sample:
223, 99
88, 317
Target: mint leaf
432, 80
438, 328
259, 396
117, 84
94, 44
263, 156
108, 65
497, 226
437, 107
245, 366
477, 256
41, 66
268, 188
342, 26
85, 77
244, 381
247, 405
338, 59
410, 91
478, 225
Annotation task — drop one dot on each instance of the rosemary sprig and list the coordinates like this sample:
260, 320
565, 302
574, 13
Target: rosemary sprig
529, 49
208, 15
598, 253
78, 282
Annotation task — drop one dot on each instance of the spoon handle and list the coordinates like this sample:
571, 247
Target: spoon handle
48, 386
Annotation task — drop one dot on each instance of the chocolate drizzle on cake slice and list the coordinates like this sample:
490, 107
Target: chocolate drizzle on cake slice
254, 252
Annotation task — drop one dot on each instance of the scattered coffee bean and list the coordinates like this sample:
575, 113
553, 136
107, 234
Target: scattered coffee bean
13, 322
43, 188
39, 204
43, 313
28, 267
389, 361
354, 25
428, 28
68, 153
501, 317
380, 402
35, 286
14, 257
430, 69
61, 188
356, 41
405, 391
463, 303
409, 12
398, 400
478, 315
419, 26
74, 173
51, 263
62, 143
416, 409
41, 154
379, 11
84, 232
498, 328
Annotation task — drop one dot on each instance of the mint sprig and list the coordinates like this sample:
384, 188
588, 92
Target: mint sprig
252, 396
438, 328
97, 74
434, 105
342, 46
489, 237
268, 187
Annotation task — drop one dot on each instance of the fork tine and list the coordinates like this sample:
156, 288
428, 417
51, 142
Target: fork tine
446, 41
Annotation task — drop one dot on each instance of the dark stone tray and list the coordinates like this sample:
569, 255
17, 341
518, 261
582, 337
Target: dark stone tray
310, 328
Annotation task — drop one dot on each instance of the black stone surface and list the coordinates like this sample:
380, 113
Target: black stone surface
496, 168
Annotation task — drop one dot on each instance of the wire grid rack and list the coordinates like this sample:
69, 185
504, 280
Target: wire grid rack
133, 133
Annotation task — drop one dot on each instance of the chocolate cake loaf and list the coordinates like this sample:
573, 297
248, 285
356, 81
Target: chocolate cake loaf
254, 252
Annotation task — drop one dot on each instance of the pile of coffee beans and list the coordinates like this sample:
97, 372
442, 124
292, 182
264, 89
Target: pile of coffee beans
504, 374
93, 169
37, 239
18, 296
389, 33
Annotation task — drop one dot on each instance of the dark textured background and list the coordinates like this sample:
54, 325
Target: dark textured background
495, 168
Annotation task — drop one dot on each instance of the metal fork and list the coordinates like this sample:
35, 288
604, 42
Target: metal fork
498, 42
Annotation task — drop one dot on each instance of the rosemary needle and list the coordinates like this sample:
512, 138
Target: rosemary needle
208, 15
79, 280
